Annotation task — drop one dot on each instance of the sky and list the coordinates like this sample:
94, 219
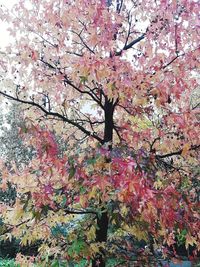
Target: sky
4, 40
8, 3
4, 36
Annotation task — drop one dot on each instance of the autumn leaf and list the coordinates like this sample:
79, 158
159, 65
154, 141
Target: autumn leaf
190, 240
185, 149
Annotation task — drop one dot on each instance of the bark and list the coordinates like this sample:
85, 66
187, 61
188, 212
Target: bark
101, 236
103, 220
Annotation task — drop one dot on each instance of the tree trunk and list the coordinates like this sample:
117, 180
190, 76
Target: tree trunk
101, 236
103, 221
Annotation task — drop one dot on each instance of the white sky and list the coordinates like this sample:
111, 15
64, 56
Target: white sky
8, 3
4, 36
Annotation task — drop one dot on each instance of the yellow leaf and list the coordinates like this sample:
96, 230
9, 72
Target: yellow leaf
25, 240
92, 193
136, 231
83, 201
94, 248
185, 149
18, 211
124, 210
190, 240
141, 101
158, 184
140, 123
91, 234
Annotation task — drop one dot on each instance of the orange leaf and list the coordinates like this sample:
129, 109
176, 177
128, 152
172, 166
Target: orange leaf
185, 149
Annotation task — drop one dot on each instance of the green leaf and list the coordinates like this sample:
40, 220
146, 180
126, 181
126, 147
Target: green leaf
182, 237
91, 161
76, 247
63, 202
71, 172
83, 79
55, 264
36, 215
83, 190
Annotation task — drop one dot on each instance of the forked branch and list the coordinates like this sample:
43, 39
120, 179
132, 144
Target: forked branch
56, 115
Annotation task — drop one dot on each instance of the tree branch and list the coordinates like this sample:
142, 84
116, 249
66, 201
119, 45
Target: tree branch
83, 42
131, 44
79, 211
67, 81
176, 153
54, 114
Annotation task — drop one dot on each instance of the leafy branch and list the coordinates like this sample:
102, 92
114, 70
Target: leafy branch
54, 114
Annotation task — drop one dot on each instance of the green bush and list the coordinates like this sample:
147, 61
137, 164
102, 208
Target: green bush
8, 263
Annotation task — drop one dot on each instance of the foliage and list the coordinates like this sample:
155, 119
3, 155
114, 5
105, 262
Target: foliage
8, 263
115, 79
12, 148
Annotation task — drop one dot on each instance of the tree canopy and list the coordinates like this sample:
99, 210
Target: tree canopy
115, 79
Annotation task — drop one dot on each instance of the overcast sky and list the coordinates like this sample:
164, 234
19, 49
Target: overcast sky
4, 36
7, 3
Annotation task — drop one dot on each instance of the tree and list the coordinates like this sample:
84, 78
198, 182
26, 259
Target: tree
115, 79
12, 148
